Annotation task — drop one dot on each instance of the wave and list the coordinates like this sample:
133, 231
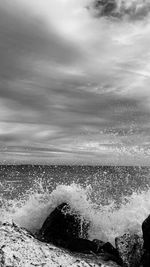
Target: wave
107, 221
131, 9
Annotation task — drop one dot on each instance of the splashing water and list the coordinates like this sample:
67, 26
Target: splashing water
107, 221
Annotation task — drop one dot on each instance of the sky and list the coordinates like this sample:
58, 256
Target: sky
74, 84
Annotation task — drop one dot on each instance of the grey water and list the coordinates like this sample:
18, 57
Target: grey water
110, 182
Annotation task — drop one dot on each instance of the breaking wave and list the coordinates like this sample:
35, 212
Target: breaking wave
107, 221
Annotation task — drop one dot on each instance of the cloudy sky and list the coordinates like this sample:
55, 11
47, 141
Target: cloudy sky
74, 86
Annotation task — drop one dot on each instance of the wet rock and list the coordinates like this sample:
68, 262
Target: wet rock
99, 245
20, 249
108, 248
146, 233
109, 251
146, 246
81, 245
130, 249
66, 227
145, 261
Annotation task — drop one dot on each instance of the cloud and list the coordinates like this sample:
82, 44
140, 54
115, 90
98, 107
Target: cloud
72, 88
25, 42
32, 56
133, 10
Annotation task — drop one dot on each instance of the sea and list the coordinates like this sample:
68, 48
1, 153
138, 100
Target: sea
114, 199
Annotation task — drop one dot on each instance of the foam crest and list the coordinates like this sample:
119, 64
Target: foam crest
112, 221
34, 207
107, 221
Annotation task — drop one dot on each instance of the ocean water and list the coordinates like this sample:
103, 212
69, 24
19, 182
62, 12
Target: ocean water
114, 199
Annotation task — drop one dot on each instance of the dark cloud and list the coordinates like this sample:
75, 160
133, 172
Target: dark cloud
134, 10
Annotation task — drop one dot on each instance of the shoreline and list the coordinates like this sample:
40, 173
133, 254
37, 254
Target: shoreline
18, 248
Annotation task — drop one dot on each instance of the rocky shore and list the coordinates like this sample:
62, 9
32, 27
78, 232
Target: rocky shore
18, 248
60, 243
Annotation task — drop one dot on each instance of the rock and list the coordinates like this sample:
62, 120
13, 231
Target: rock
63, 226
146, 236
20, 249
81, 245
99, 244
64, 222
130, 249
145, 261
109, 251
108, 248
146, 233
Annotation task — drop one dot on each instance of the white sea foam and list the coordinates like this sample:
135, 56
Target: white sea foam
107, 221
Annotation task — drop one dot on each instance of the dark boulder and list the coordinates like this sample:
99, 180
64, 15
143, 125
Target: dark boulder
81, 245
130, 249
146, 233
64, 226
145, 262
99, 244
108, 250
